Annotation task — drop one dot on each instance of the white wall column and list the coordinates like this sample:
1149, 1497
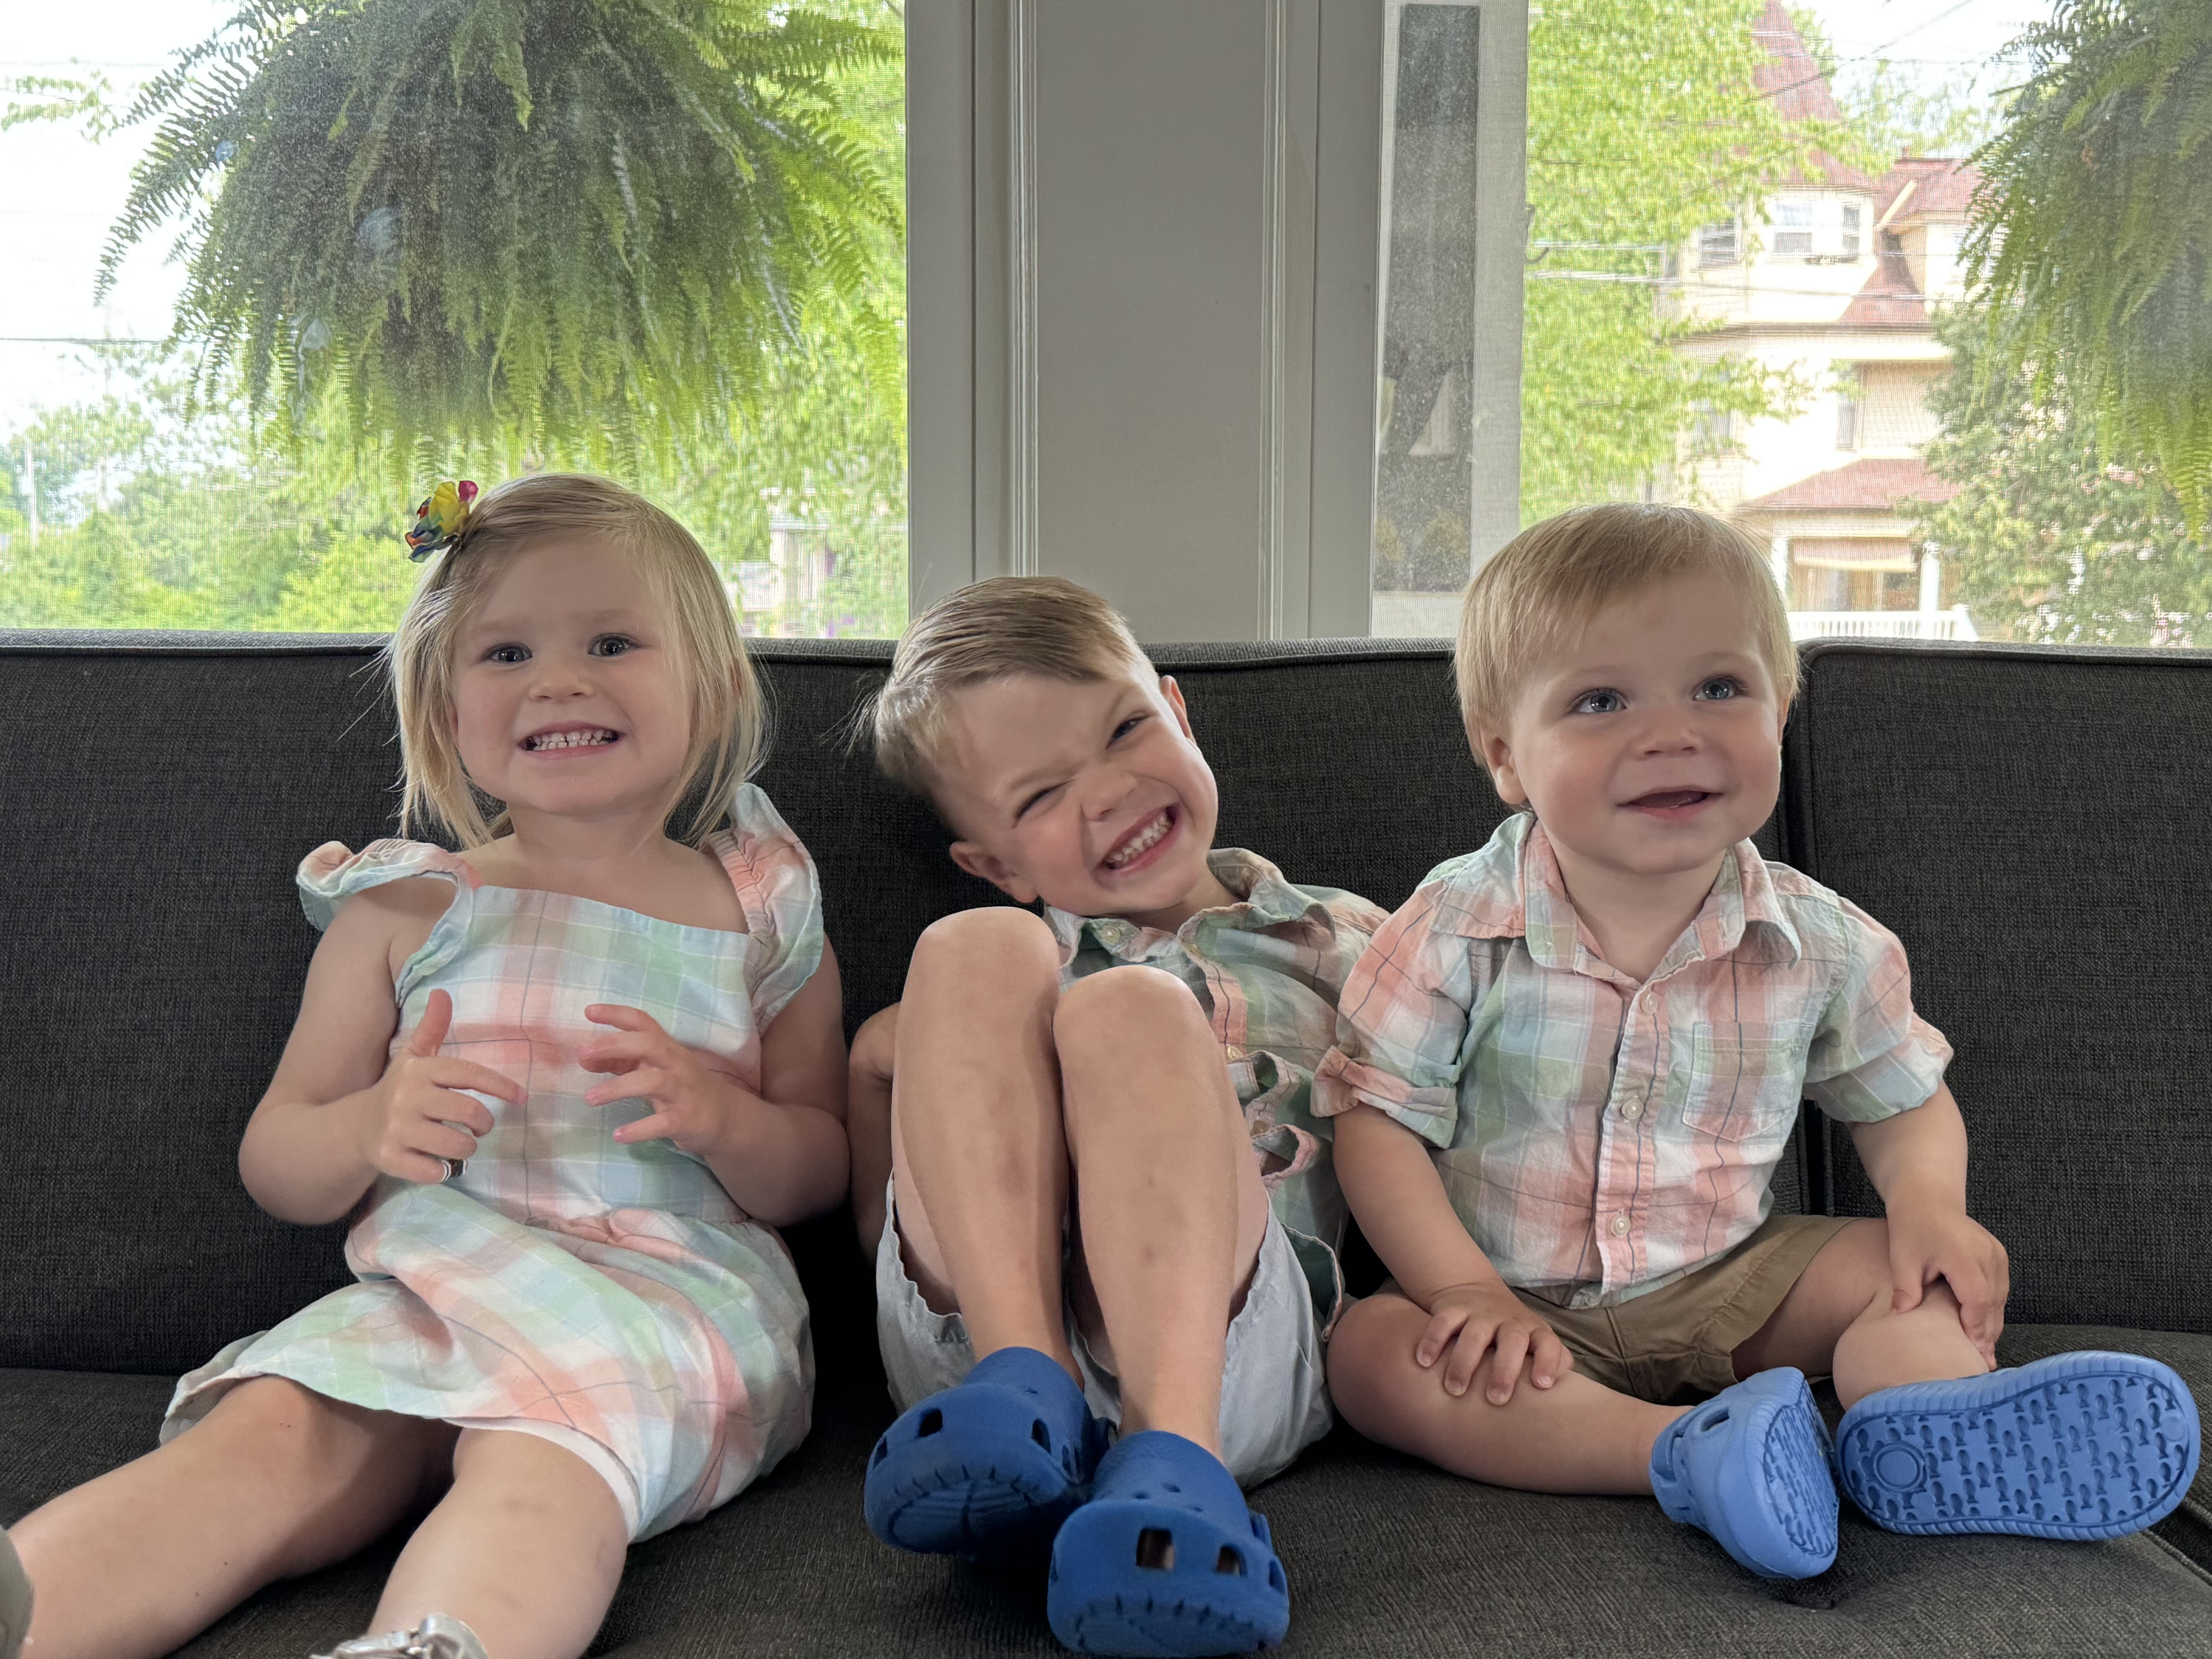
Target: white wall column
1142, 288
1931, 580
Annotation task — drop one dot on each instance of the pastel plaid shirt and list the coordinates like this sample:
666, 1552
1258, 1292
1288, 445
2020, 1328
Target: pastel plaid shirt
1266, 972
1600, 1137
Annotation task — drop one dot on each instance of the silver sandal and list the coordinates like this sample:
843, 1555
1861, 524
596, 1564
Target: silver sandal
15, 1600
436, 1637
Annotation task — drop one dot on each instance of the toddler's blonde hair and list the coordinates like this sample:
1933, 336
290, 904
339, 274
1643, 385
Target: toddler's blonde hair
728, 722
1003, 625
1560, 572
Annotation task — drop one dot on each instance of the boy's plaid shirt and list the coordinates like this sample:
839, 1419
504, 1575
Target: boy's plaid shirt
1600, 1138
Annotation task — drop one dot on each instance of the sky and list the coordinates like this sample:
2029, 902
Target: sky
59, 192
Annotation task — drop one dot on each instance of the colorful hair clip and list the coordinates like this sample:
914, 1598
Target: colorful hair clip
440, 520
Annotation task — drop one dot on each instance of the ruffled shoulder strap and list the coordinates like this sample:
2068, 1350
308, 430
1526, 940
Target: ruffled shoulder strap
331, 875
781, 895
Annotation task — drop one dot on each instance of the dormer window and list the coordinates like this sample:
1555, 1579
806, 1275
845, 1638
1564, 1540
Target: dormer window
1793, 229
1849, 244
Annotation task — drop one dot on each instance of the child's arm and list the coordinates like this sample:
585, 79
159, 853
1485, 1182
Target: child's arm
1399, 1200
1918, 1161
338, 1112
868, 1121
781, 1153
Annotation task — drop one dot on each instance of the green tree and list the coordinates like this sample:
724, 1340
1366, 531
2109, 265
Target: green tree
1643, 124
169, 504
2094, 233
2051, 540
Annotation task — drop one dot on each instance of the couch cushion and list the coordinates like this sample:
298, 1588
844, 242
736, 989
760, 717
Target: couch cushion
2031, 824
1385, 1556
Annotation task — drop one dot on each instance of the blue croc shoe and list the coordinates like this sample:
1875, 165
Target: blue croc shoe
1750, 1467
2077, 1446
988, 1468
1165, 1559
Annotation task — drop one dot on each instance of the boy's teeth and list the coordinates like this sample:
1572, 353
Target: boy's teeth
1122, 854
570, 739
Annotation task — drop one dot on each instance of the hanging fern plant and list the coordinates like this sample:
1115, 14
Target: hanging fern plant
2095, 228
579, 228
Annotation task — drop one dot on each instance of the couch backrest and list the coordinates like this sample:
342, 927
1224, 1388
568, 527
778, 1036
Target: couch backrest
161, 790
2033, 823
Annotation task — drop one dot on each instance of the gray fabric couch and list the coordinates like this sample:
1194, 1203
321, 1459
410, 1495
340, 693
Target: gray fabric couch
2033, 823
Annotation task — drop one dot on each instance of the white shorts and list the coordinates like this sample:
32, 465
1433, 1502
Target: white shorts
1273, 1404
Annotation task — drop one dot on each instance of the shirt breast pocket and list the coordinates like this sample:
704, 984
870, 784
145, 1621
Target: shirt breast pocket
1742, 1083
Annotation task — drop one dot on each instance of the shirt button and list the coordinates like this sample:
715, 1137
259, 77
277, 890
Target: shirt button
1632, 1110
1618, 1226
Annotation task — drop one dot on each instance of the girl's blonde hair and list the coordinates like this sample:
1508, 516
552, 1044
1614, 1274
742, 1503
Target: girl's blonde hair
728, 722
1558, 573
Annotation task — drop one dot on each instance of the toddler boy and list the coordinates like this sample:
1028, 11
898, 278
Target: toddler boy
1084, 1116
1568, 1068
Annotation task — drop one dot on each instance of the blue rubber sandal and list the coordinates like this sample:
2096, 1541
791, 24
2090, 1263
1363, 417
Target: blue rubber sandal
2078, 1446
1750, 1468
988, 1468
1165, 1559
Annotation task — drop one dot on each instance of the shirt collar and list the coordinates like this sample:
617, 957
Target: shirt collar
1534, 906
1264, 899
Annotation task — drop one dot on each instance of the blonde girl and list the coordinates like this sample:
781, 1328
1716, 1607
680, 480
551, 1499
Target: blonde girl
566, 1083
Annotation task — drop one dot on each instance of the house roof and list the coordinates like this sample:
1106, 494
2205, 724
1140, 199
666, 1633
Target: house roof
1868, 486
1939, 186
1793, 81
1887, 299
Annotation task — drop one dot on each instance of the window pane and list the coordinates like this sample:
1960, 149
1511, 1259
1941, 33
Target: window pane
1749, 288
1424, 474
672, 259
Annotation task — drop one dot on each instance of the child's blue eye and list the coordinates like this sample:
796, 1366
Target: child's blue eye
1126, 727
507, 653
1598, 703
1720, 688
612, 645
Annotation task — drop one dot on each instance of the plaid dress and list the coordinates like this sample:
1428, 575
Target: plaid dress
610, 1299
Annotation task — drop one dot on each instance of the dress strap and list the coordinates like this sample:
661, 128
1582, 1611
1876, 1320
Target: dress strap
781, 893
331, 875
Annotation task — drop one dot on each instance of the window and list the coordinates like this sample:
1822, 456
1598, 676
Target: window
1793, 229
1825, 397
147, 484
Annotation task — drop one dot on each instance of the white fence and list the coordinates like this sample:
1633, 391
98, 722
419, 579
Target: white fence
1952, 624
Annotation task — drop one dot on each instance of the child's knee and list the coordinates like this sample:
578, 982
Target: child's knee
1370, 1360
1104, 1013
987, 945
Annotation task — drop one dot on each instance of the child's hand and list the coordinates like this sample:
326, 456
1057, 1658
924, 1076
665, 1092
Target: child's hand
1468, 1321
421, 1123
691, 1100
1942, 1242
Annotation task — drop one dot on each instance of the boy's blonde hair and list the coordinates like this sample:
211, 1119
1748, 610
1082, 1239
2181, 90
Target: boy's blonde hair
1560, 574
1003, 625
728, 722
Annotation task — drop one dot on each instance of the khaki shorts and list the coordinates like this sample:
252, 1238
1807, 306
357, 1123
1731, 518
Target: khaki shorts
1676, 1344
